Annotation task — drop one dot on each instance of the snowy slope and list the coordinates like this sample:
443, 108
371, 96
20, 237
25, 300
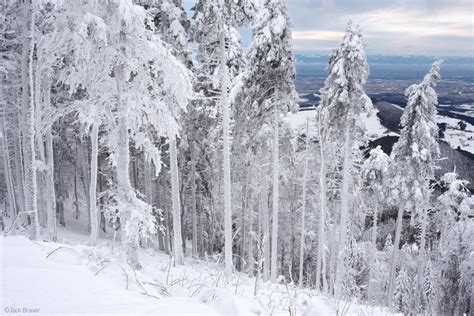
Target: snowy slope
53, 278
372, 123
65, 284
456, 137
373, 126
297, 121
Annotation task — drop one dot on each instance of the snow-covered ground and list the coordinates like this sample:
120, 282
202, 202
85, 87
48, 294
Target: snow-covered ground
297, 121
464, 109
463, 139
456, 137
45, 278
374, 127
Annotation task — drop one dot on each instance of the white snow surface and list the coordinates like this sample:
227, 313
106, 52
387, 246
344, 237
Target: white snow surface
374, 128
44, 278
65, 284
456, 137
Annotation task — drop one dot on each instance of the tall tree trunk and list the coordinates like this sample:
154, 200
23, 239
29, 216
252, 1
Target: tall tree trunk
193, 199
322, 209
60, 201
19, 176
303, 207
394, 259
93, 183
50, 185
124, 186
276, 176
49, 156
102, 222
42, 202
201, 217
226, 153
370, 288
29, 117
265, 231
162, 234
346, 184
84, 172
250, 258
332, 257
177, 239
421, 258
147, 169
8, 171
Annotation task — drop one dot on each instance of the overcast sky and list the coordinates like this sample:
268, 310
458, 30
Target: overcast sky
390, 27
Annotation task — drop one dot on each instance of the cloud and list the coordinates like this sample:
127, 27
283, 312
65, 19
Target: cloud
317, 35
439, 27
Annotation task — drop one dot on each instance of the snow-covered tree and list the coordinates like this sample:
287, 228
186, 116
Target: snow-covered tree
10, 76
269, 89
114, 50
303, 205
413, 163
453, 285
28, 116
374, 174
343, 99
403, 295
220, 61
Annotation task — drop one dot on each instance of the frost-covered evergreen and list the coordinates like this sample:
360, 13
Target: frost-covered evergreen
220, 60
123, 123
342, 100
453, 260
113, 49
403, 294
268, 89
414, 158
374, 174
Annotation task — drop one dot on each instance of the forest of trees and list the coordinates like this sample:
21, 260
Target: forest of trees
166, 131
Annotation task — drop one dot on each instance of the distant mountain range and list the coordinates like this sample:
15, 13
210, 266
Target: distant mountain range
393, 67
310, 58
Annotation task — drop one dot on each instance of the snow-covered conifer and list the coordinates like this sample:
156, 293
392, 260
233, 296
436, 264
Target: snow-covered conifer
374, 174
454, 259
413, 162
114, 50
403, 295
268, 89
28, 116
343, 99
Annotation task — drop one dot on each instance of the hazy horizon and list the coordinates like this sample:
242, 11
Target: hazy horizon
389, 27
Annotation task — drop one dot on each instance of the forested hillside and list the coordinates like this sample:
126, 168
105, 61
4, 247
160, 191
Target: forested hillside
135, 134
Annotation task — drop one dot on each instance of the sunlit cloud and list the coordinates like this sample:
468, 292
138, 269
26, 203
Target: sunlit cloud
435, 27
418, 23
316, 35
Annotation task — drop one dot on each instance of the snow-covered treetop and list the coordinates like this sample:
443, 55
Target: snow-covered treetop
418, 139
210, 17
242, 11
343, 95
417, 148
91, 38
374, 176
271, 61
170, 20
375, 167
456, 192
